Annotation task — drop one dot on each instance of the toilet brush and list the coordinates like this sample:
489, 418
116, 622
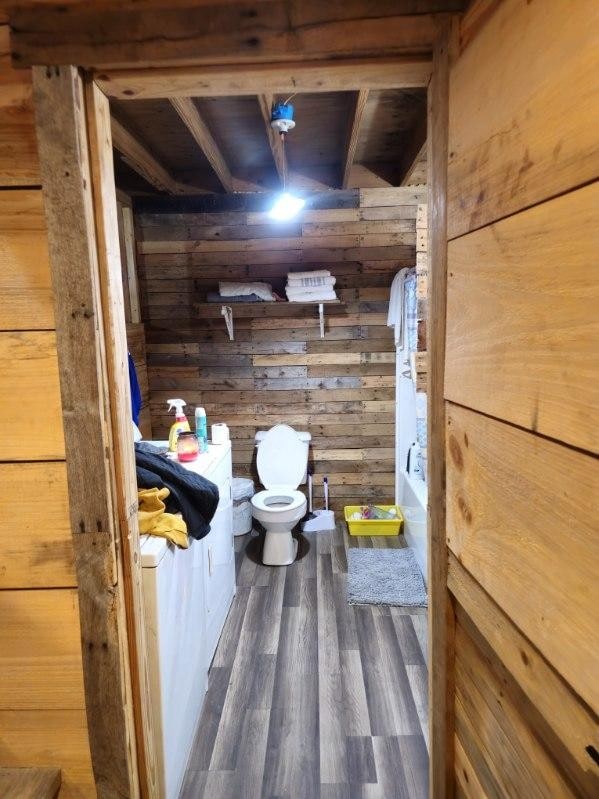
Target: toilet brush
320, 519
310, 512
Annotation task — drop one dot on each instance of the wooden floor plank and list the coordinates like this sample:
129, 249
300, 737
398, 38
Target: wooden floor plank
201, 752
333, 755
360, 759
355, 704
227, 646
310, 696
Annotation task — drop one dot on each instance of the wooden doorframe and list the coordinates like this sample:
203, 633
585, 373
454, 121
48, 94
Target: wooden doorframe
75, 148
73, 124
441, 615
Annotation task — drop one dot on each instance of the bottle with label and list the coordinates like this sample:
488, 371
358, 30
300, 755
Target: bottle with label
202, 429
180, 425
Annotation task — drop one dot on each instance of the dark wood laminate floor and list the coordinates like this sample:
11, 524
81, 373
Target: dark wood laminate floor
308, 696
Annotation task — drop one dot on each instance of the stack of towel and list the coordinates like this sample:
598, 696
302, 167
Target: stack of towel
310, 286
242, 292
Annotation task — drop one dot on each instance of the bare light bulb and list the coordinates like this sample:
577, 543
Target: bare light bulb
286, 207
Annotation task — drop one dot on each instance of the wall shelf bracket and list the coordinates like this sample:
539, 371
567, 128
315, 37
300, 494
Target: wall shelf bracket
321, 318
227, 312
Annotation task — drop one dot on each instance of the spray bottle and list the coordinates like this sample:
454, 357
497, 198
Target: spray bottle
180, 425
201, 429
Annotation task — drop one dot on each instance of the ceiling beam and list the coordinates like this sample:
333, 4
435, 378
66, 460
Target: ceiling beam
353, 131
137, 156
413, 150
401, 72
275, 141
171, 34
188, 111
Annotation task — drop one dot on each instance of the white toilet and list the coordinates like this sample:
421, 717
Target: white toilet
282, 461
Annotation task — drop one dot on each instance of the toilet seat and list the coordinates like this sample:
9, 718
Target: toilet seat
281, 458
261, 501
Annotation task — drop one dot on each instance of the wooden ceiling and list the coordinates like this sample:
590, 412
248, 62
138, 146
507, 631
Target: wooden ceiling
343, 139
191, 83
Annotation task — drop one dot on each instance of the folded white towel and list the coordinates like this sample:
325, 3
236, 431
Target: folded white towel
323, 295
262, 290
315, 273
316, 290
311, 281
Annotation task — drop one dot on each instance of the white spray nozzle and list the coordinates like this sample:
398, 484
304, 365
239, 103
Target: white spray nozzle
178, 404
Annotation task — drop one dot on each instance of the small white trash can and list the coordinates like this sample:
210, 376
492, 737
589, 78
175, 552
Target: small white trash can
242, 490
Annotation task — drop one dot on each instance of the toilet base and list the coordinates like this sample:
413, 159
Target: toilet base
280, 548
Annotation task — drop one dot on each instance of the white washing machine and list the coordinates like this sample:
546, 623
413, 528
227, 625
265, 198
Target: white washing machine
187, 594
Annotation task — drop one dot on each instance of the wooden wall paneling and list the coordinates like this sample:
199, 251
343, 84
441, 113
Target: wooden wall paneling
467, 785
513, 754
19, 164
523, 331
559, 718
126, 299
37, 550
29, 783
130, 263
397, 196
536, 560
547, 121
441, 616
119, 396
136, 341
37, 652
30, 424
42, 720
521, 439
51, 736
25, 281
61, 127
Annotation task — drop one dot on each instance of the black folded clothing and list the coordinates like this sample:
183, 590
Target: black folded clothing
190, 494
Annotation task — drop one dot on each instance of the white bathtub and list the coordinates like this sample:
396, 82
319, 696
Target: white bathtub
412, 498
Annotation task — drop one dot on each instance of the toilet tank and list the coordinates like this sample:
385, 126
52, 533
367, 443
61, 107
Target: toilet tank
304, 436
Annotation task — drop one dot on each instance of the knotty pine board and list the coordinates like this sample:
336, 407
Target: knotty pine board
42, 703
278, 369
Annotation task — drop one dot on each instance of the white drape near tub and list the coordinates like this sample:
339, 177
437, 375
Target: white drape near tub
402, 316
410, 414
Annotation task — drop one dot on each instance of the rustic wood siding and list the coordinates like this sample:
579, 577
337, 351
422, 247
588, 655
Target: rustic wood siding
521, 377
340, 388
136, 341
42, 705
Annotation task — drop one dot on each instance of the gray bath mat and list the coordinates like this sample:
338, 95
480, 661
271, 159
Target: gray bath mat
384, 577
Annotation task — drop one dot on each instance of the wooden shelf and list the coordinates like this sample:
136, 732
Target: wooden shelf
222, 309
267, 304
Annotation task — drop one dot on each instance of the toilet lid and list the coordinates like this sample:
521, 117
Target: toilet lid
281, 458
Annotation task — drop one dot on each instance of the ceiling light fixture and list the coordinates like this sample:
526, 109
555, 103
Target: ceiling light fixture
286, 205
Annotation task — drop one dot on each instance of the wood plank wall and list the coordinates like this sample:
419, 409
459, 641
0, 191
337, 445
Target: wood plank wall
522, 399
136, 341
278, 369
42, 707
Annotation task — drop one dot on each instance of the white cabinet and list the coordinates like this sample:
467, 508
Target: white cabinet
219, 568
187, 595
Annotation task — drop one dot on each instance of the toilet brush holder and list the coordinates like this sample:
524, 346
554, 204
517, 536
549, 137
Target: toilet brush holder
322, 520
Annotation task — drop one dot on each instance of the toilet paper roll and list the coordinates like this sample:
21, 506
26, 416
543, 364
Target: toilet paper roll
220, 433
